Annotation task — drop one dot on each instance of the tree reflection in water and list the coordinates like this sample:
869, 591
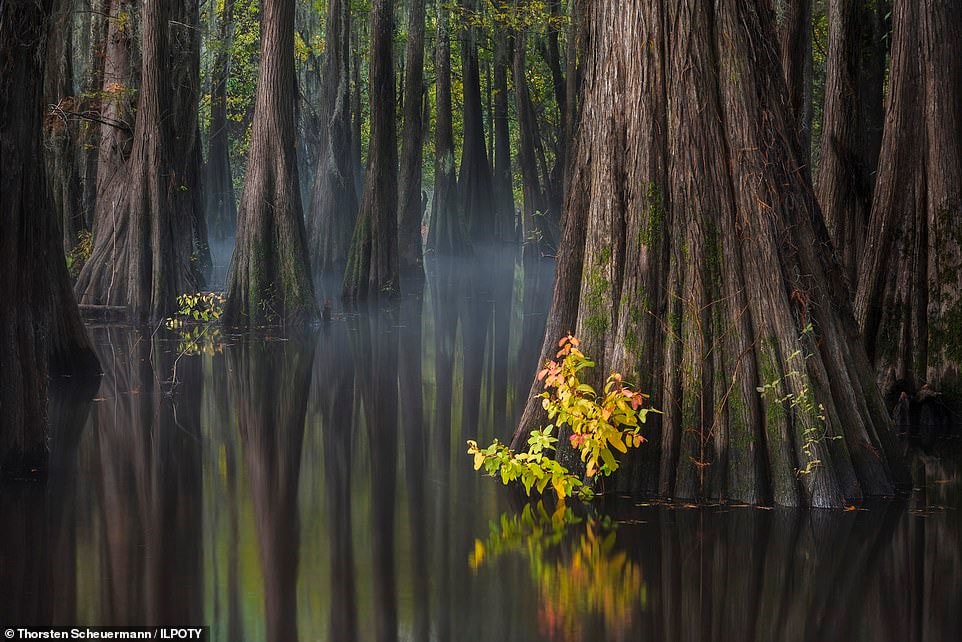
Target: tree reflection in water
317, 488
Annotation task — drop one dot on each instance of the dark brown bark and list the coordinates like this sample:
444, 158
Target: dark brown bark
92, 32
410, 201
357, 112
501, 178
118, 87
269, 279
694, 260
144, 228
372, 266
536, 231
40, 330
474, 177
221, 206
851, 131
447, 233
795, 34
910, 275
60, 127
334, 200
183, 40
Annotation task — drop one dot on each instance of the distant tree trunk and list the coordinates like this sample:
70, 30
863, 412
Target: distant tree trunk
94, 32
851, 125
40, 330
694, 262
60, 128
537, 235
372, 266
119, 87
555, 178
357, 116
189, 196
576, 45
334, 199
143, 239
221, 206
504, 224
269, 278
447, 232
795, 32
910, 276
410, 202
474, 179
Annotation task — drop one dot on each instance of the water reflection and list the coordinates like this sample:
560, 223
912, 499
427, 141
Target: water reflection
316, 488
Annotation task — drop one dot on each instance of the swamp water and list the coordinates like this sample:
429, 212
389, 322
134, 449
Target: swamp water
316, 487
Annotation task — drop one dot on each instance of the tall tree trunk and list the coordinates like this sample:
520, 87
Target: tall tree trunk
474, 179
576, 45
910, 276
40, 330
221, 206
60, 127
372, 266
143, 239
504, 224
189, 196
555, 178
93, 25
795, 33
269, 278
697, 265
851, 131
447, 232
334, 199
357, 114
537, 234
410, 202
119, 81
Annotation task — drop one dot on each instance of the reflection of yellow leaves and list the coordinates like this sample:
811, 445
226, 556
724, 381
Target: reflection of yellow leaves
588, 580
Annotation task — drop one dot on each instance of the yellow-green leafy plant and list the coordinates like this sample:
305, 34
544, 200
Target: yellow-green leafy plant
599, 425
194, 323
80, 253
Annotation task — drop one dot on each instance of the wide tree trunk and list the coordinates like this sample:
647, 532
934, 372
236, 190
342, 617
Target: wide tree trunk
40, 330
269, 279
221, 206
119, 79
334, 197
910, 276
410, 202
144, 228
698, 266
447, 232
372, 266
474, 179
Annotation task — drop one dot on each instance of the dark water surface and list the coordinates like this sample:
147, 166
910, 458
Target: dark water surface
316, 487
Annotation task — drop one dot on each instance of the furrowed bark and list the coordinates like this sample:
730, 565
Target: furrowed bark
704, 271
269, 279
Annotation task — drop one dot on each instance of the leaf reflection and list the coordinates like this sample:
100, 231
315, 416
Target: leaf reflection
576, 567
